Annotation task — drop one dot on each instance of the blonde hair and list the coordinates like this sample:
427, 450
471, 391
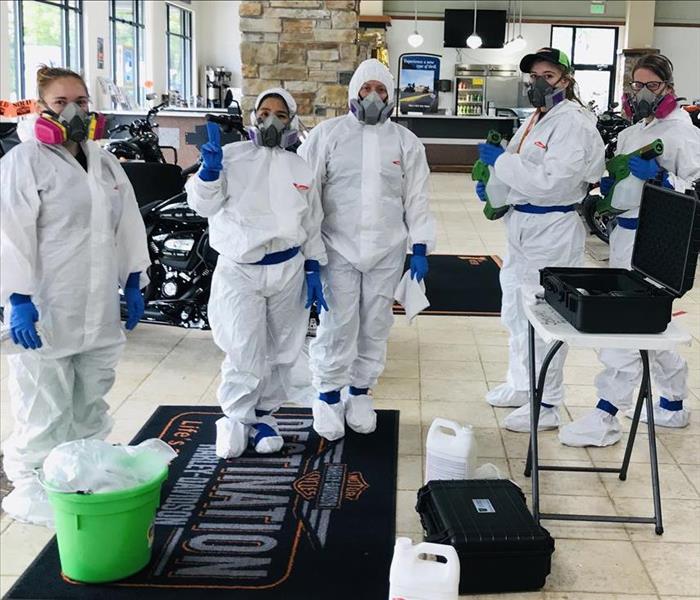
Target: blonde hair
46, 75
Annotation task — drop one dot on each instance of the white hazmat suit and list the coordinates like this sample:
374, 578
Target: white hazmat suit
373, 181
68, 239
546, 164
262, 203
623, 368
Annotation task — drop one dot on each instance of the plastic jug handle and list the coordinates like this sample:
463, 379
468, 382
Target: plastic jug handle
444, 550
447, 424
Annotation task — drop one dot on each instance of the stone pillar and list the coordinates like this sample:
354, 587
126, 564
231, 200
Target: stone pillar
639, 23
309, 47
639, 37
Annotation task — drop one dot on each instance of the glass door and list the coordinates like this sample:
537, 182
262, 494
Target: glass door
469, 93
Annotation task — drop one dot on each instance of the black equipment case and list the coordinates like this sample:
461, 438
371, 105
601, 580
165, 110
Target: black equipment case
500, 546
663, 268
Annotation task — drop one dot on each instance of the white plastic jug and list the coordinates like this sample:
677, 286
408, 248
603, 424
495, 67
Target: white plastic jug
450, 451
414, 577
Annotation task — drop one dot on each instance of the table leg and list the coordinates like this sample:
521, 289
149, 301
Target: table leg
653, 458
534, 420
539, 392
635, 423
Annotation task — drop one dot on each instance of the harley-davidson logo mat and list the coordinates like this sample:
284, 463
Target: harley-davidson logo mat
313, 521
461, 286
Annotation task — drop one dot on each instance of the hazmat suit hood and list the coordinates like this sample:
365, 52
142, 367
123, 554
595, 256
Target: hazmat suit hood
369, 70
278, 91
25, 127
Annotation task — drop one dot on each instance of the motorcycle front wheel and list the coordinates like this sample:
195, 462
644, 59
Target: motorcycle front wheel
599, 225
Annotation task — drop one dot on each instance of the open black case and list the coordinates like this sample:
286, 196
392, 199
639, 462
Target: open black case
663, 268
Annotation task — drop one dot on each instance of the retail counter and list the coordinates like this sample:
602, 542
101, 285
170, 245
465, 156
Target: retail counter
451, 141
173, 125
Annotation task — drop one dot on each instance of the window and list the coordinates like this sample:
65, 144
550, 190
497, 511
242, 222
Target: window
43, 32
179, 36
126, 30
592, 51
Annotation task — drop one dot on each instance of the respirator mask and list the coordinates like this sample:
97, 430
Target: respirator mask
271, 132
645, 103
372, 109
72, 124
542, 94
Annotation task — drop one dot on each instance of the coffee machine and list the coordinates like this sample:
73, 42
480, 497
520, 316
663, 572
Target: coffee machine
218, 82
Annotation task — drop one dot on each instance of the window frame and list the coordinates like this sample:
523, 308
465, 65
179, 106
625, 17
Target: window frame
69, 8
186, 40
609, 67
138, 26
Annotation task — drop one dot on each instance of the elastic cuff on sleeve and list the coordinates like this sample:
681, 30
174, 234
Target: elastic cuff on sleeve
133, 281
16, 299
209, 174
311, 266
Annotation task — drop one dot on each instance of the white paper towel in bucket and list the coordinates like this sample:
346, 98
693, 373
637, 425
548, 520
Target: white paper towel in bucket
98, 466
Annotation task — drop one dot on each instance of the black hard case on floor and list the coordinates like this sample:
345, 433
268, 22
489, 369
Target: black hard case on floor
500, 547
622, 301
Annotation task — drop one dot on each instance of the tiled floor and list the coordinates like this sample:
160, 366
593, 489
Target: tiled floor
443, 366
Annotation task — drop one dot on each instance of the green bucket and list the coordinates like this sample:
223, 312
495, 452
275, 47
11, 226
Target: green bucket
106, 536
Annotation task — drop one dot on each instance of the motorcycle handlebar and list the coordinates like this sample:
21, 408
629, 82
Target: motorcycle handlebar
228, 122
118, 128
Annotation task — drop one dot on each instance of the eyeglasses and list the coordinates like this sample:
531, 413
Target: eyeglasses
652, 86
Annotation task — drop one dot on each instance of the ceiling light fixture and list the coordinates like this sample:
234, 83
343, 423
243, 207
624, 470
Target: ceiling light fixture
415, 39
518, 44
474, 40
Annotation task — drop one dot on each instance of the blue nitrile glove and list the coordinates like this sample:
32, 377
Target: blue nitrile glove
212, 155
24, 315
481, 191
606, 184
135, 306
419, 263
488, 153
644, 169
663, 179
314, 289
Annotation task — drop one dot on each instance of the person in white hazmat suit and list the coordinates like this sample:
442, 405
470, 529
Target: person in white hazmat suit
546, 167
373, 179
265, 222
70, 234
653, 105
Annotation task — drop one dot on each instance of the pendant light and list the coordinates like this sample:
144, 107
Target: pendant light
415, 39
474, 40
519, 43
509, 35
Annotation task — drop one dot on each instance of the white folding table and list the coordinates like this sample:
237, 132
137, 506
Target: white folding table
555, 330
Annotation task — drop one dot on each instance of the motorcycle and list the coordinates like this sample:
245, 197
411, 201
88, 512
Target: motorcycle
142, 143
182, 261
610, 124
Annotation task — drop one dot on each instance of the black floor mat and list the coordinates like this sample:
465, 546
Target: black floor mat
465, 285
314, 521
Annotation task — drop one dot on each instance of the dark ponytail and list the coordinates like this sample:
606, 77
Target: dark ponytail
658, 64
